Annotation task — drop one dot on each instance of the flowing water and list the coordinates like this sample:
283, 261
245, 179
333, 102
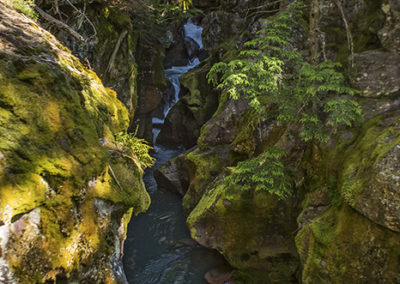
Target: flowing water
158, 249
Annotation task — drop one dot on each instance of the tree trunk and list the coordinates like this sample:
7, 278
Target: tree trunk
313, 32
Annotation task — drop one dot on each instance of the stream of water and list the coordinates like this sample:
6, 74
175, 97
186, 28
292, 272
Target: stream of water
158, 249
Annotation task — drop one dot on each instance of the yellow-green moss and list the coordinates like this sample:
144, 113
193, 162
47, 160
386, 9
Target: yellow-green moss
373, 143
124, 185
203, 166
242, 228
343, 246
53, 115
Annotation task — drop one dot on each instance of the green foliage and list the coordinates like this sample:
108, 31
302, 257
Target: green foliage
135, 146
155, 16
24, 6
278, 82
265, 172
320, 100
259, 70
272, 73
184, 4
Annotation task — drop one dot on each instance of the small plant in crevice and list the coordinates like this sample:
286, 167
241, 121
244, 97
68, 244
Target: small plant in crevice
281, 85
135, 146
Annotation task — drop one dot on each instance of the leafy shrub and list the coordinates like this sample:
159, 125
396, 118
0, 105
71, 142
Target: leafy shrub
24, 6
265, 172
279, 83
135, 146
270, 72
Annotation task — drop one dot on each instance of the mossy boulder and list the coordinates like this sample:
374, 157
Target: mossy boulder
349, 222
342, 246
203, 166
370, 178
253, 230
63, 214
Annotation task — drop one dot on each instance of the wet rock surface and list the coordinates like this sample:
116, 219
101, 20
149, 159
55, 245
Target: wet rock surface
220, 26
173, 176
223, 128
198, 102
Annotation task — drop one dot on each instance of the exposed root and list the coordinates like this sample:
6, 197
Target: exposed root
59, 24
348, 32
84, 16
114, 54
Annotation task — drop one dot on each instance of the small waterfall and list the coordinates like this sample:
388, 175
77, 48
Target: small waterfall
194, 32
152, 253
173, 74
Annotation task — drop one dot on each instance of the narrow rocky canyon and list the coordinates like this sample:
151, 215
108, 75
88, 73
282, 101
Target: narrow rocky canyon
211, 141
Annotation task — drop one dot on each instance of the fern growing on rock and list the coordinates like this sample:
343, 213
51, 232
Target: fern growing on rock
277, 81
135, 146
265, 172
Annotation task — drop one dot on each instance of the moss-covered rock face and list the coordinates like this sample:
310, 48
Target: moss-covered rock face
109, 47
64, 200
342, 246
349, 223
151, 85
342, 225
365, 20
370, 179
220, 26
389, 35
254, 231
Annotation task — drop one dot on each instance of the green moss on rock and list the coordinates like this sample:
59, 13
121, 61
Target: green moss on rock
253, 230
53, 115
203, 167
343, 246
370, 176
